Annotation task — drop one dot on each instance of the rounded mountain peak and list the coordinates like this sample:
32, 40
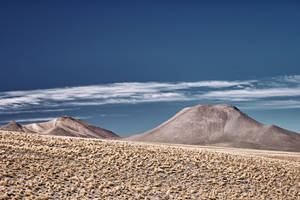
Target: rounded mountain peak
215, 106
13, 122
64, 117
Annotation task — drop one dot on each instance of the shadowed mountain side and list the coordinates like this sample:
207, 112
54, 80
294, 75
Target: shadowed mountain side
63, 126
220, 125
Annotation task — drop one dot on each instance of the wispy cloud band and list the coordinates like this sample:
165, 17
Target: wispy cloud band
39, 119
131, 92
276, 90
253, 93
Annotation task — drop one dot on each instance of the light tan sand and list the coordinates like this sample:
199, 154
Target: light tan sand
44, 167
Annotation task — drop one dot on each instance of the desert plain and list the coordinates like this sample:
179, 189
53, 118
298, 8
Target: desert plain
53, 167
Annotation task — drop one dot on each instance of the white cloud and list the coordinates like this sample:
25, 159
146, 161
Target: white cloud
272, 104
214, 84
248, 94
145, 98
142, 92
291, 79
40, 119
131, 92
31, 119
36, 110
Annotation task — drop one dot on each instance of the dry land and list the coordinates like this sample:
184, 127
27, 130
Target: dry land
44, 167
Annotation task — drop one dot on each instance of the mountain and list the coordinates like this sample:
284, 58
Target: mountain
14, 126
62, 126
220, 125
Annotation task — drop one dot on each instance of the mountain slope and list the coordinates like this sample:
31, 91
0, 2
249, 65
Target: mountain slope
220, 125
64, 126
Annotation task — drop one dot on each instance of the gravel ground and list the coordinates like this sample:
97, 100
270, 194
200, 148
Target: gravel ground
42, 167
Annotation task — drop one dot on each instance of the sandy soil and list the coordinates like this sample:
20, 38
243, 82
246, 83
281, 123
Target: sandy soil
48, 167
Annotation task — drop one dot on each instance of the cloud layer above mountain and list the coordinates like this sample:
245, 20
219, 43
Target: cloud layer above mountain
269, 93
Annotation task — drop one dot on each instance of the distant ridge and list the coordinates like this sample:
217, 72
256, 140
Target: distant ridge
14, 126
62, 126
220, 125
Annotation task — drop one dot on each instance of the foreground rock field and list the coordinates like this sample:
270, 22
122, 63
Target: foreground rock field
42, 167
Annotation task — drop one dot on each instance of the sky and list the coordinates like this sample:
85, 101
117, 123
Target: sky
128, 66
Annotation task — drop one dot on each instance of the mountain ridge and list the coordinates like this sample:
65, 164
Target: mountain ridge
62, 126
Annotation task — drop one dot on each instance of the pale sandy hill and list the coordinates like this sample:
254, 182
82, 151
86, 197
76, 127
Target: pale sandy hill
220, 125
63, 126
14, 126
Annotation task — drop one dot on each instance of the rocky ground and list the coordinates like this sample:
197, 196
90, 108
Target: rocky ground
42, 167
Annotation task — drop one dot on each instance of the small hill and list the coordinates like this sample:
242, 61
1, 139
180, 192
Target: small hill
14, 126
220, 125
62, 126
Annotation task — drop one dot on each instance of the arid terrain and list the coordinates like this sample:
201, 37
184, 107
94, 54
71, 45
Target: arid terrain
33, 166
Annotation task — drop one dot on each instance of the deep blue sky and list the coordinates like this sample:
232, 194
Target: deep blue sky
56, 44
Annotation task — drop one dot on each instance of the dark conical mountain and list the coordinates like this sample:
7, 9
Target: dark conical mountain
220, 125
62, 126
